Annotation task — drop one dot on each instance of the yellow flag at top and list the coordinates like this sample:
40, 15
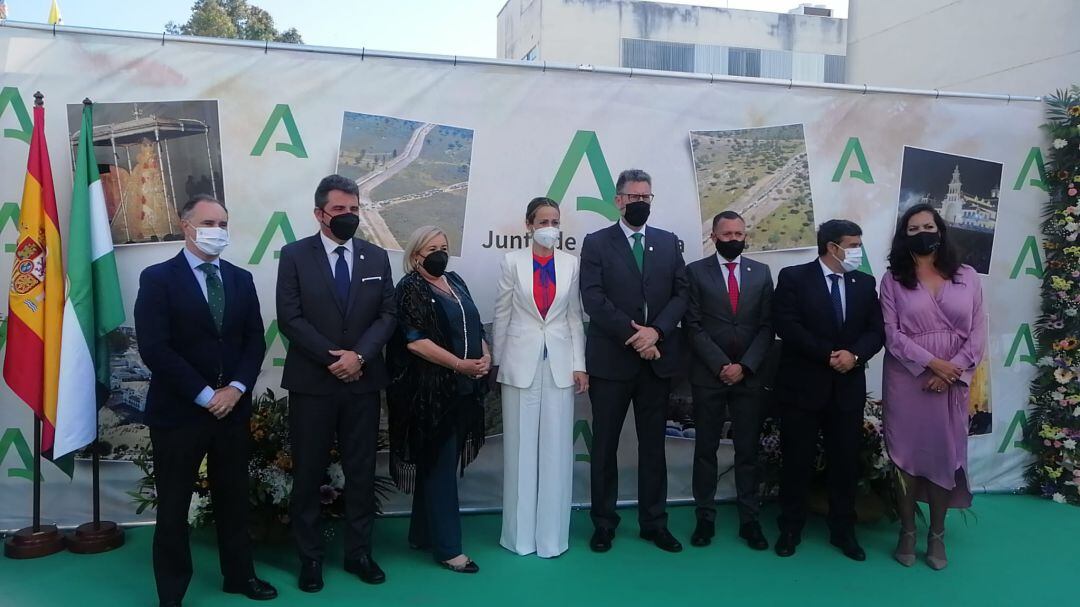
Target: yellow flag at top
54, 14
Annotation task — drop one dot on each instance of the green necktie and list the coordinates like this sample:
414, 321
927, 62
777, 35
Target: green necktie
215, 294
639, 251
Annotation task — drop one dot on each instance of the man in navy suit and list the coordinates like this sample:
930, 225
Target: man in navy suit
200, 333
827, 314
634, 289
335, 305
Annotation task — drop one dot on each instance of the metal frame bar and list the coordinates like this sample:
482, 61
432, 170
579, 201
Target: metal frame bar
364, 53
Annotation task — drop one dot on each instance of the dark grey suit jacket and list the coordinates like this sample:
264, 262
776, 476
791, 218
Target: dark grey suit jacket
720, 337
312, 319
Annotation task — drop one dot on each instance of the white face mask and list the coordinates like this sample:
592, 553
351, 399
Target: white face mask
211, 241
547, 237
852, 259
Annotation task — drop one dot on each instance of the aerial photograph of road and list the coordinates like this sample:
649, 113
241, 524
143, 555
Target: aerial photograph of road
409, 173
762, 174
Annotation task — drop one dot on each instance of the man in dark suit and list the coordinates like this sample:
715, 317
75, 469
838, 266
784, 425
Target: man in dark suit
633, 287
200, 333
827, 314
335, 305
730, 327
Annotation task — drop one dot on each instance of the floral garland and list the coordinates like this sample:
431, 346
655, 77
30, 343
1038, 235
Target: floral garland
1055, 394
269, 474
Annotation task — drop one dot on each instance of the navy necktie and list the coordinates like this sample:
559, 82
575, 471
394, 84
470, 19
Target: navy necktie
342, 280
837, 304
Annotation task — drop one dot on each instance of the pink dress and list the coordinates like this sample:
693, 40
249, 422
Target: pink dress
926, 432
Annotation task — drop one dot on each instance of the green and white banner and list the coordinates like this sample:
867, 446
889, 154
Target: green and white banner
466, 146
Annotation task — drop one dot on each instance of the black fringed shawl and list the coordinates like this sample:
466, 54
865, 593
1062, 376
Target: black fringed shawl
423, 399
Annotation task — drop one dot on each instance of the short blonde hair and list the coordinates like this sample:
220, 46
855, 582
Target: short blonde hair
417, 240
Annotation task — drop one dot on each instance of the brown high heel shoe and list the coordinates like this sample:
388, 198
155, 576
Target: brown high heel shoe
936, 563
907, 559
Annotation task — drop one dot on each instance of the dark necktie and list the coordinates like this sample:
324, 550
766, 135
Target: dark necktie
837, 304
639, 250
732, 287
215, 294
342, 280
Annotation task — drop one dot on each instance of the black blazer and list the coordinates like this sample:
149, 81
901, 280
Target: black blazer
719, 337
804, 320
180, 344
312, 319
614, 292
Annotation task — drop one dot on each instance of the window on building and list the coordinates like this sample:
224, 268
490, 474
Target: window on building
776, 64
657, 55
532, 54
744, 62
834, 68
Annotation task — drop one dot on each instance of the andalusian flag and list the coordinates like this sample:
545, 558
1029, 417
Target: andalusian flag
36, 295
94, 307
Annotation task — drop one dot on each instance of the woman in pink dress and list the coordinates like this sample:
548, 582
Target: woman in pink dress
935, 333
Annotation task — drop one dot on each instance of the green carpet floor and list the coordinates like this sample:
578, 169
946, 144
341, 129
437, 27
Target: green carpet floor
1017, 551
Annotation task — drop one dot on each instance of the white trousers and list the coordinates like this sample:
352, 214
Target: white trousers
538, 465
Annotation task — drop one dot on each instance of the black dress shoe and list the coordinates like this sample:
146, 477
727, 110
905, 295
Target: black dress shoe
849, 546
751, 532
366, 569
253, 588
310, 576
601, 539
662, 538
785, 544
703, 533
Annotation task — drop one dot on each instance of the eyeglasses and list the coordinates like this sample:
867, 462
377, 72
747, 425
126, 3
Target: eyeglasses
638, 197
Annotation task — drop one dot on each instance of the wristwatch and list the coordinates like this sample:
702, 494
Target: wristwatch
360, 358
853, 354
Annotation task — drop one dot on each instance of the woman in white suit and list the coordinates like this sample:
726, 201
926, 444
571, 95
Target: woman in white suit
540, 350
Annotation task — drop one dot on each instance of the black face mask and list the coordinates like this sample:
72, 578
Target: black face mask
924, 243
343, 226
730, 249
435, 263
637, 213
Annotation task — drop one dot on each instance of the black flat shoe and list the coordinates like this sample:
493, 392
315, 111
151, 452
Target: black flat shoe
662, 538
703, 533
310, 579
601, 539
849, 546
468, 567
786, 543
366, 569
751, 532
253, 588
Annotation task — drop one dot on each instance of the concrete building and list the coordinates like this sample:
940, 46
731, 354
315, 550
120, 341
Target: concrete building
807, 44
1015, 47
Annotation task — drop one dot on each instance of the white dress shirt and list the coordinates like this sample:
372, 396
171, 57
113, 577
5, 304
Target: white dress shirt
207, 393
630, 233
332, 256
723, 268
828, 286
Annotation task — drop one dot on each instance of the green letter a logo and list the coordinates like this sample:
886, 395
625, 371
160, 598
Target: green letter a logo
279, 220
14, 438
9, 213
863, 173
1023, 334
1019, 422
1035, 158
586, 144
1031, 247
274, 334
10, 96
281, 113
584, 432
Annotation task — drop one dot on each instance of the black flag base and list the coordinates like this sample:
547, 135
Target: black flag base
30, 544
92, 538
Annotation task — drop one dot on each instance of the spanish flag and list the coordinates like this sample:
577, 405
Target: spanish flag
36, 296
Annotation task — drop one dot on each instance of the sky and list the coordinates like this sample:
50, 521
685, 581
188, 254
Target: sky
441, 27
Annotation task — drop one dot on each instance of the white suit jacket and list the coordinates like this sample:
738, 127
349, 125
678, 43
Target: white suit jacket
521, 333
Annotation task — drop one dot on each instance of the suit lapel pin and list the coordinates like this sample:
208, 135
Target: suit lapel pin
650, 248
361, 256
747, 268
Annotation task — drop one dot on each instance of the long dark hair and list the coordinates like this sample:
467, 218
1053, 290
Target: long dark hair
901, 260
